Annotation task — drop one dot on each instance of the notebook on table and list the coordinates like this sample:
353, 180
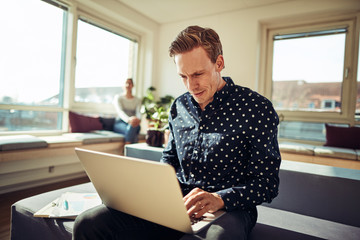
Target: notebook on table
142, 188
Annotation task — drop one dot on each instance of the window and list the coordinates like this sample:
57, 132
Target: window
308, 71
309, 75
104, 60
31, 60
43, 77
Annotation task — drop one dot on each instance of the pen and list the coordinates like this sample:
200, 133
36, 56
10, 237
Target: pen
66, 205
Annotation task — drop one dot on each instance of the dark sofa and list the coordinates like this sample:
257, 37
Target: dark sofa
314, 202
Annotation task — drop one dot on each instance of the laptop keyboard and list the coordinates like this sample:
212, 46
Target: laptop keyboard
196, 220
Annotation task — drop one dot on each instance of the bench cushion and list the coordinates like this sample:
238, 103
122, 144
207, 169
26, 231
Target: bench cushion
21, 142
335, 152
113, 136
107, 123
300, 148
81, 123
88, 138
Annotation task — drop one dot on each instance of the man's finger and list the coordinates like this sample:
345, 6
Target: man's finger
198, 210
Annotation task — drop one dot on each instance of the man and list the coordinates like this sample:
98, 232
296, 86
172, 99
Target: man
222, 145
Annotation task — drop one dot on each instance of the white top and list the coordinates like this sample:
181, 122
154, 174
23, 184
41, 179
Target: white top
127, 107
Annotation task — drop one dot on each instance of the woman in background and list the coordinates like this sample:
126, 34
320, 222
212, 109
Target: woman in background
128, 113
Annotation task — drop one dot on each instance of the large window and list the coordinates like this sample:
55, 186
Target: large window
31, 62
310, 76
104, 62
55, 58
308, 71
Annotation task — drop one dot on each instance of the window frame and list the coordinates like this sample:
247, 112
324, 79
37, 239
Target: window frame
311, 24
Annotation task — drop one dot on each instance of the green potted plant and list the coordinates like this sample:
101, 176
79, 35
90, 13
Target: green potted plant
157, 113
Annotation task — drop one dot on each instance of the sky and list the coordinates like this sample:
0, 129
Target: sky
313, 59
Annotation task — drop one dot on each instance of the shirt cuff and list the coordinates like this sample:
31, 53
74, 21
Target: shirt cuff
230, 197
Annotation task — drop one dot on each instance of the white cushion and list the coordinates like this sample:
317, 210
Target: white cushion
300, 148
335, 152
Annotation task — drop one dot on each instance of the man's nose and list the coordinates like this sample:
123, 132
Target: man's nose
192, 83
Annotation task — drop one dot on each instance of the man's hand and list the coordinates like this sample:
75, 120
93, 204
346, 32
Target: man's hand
134, 121
198, 202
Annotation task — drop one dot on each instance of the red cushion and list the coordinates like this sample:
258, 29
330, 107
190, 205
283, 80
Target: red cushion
81, 123
346, 137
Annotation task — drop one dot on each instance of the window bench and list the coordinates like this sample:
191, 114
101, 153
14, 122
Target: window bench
331, 156
28, 161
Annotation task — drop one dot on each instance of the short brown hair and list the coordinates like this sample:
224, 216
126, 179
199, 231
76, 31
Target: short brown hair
195, 36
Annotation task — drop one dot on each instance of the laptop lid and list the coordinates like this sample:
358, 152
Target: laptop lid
145, 189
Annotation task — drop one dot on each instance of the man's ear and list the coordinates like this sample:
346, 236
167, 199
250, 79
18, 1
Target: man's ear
220, 64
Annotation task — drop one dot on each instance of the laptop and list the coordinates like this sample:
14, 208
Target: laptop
142, 188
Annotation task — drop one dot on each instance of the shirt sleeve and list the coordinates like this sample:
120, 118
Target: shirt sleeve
262, 179
169, 155
138, 109
119, 109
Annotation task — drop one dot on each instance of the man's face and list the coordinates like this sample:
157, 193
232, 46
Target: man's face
201, 77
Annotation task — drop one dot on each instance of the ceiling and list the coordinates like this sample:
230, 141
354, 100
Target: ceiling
166, 11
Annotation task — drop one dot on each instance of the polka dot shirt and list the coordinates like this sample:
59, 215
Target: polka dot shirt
229, 148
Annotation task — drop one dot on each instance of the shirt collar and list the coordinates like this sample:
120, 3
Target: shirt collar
222, 94
219, 96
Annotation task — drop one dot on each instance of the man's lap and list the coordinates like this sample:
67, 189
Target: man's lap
106, 223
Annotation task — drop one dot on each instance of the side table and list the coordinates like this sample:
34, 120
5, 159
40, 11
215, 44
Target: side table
143, 151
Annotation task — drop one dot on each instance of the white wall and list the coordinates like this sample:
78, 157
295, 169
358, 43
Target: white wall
240, 33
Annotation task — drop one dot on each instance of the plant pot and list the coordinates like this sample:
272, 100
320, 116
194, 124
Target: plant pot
154, 138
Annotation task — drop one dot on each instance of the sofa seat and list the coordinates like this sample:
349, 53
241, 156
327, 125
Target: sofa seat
314, 202
291, 225
273, 224
25, 226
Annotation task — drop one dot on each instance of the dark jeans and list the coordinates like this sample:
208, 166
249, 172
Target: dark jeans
131, 133
105, 223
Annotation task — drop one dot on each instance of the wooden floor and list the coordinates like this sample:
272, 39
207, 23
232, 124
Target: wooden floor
6, 200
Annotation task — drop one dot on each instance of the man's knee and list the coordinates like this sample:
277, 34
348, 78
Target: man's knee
82, 225
87, 223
